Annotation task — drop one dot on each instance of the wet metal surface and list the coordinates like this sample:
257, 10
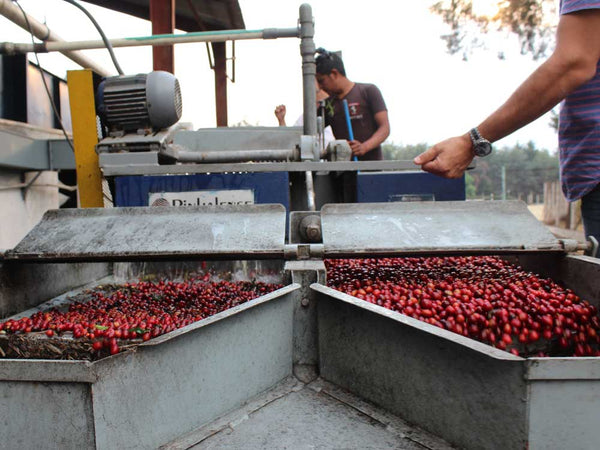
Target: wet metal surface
432, 227
122, 234
49, 415
469, 393
147, 396
294, 415
470, 397
49, 280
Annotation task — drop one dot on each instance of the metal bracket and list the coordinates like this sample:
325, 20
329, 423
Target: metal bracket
592, 247
309, 148
211, 61
305, 227
339, 150
303, 251
571, 245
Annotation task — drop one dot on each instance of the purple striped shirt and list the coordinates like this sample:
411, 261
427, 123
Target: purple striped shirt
579, 127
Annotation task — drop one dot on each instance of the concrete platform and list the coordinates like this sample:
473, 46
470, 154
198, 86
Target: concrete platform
295, 415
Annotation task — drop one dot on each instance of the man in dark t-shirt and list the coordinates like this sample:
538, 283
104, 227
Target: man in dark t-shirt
368, 113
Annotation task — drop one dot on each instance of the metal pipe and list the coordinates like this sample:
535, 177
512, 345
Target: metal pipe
9, 10
159, 39
237, 156
307, 50
310, 192
58, 185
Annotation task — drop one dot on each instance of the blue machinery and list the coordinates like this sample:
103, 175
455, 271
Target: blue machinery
287, 165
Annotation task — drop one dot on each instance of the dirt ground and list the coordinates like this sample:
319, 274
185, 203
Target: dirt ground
537, 210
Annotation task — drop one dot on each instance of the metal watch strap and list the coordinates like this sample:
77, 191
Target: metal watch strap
475, 134
481, 146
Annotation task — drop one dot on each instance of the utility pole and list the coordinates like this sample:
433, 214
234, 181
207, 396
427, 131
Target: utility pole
503, 182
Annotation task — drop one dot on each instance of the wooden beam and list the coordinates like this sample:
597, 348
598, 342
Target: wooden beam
219, 52
162, 16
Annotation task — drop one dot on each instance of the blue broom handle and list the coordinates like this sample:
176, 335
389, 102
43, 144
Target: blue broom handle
349, 124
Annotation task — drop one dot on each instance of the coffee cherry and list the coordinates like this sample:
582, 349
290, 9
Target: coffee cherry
482, 297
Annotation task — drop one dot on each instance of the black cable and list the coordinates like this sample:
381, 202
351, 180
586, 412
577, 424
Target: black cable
54, 108
104, 38
37, 175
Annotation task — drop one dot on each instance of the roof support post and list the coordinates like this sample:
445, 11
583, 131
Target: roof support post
220, 68
162, 16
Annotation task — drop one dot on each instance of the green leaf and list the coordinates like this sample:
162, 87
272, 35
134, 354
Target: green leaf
101, 327
138, 330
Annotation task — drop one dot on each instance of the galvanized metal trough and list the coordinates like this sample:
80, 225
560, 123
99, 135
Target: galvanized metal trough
465, 392
163, 389
472, 395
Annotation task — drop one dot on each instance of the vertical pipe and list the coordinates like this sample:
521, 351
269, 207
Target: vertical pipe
162, 16
310, 191
307, 50
219, 51
85, 138
503, 182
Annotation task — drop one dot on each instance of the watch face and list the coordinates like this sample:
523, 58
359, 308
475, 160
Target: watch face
482, 148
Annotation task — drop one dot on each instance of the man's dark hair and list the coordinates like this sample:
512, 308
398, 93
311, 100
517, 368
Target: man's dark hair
327, 61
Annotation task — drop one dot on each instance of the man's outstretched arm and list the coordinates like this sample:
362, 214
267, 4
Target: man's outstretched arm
573, 62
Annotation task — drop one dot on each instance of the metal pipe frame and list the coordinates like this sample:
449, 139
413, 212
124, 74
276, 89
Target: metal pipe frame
307, 50
160, 39
12, 12
292, 166
238, 156
310, 192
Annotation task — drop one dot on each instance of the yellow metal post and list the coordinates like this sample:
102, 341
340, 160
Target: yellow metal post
85, 138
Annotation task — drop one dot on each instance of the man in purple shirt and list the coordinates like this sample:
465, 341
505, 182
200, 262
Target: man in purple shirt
572, 74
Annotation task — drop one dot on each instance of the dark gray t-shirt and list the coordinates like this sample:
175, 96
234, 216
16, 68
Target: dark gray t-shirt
364, 101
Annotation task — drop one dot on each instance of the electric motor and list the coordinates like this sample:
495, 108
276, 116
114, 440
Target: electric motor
133, 102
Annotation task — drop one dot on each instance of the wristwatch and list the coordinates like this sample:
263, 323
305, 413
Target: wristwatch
481, 146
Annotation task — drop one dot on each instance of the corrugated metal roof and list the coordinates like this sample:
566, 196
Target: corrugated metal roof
190, 15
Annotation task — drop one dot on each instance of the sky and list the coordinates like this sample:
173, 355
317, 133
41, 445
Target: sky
430, 95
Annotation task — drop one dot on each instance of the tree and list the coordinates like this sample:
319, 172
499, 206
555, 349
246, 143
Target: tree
533, 21
470, 190
527, 168
401, 153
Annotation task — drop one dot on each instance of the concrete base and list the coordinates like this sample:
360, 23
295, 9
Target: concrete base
314, 415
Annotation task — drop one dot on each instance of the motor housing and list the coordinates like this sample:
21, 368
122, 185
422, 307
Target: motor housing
131, 103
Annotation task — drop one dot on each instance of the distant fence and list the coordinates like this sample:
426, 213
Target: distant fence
558, 211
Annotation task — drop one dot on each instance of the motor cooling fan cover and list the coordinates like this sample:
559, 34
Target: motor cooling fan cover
133, 102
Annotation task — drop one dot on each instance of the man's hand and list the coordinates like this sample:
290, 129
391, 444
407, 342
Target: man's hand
449, 158
280, 114
358, 148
